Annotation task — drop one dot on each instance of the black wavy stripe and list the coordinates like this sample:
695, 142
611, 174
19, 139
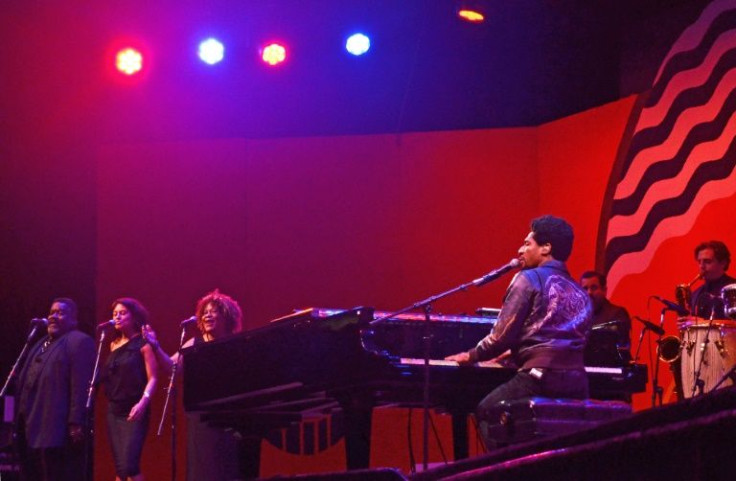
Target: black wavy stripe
668, 168
688, 98
706, 172
692, 58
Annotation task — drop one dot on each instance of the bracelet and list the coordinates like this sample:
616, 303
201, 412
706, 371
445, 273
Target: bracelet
147, 395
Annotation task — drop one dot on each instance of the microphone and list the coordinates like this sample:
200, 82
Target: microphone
39, 321
105, 324
673, 306
603, 325
186, 322
651, 326
495, 274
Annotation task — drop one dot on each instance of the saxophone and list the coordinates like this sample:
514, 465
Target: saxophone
670, 347
684, 295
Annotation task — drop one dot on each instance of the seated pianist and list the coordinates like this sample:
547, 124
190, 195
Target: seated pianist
544, 321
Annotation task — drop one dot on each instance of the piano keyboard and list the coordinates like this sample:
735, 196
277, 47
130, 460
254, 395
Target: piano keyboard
493, 364
442, 362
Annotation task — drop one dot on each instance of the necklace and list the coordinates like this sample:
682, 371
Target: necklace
46, 344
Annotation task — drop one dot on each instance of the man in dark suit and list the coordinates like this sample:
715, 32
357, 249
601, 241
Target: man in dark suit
609, 340
51, 399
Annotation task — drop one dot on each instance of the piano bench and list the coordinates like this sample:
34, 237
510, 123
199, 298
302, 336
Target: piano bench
532, 418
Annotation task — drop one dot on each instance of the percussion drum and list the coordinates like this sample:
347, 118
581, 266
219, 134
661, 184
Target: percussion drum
718, 353
728, 294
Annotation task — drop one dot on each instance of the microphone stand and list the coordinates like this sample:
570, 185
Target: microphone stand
171, 400
88, 406
13, 373
95, 373
426, 305
656, 388
21, 356
641, 339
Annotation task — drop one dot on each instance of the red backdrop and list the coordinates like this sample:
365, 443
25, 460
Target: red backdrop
379, 220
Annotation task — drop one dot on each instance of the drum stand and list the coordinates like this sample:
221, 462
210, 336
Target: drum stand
731, 374
698, 383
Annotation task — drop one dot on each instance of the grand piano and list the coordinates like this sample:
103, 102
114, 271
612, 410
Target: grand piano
316, 361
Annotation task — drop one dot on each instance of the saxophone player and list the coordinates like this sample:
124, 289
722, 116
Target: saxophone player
713, 259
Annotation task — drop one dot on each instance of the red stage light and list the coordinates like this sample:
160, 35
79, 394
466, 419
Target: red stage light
273, 54
129, 61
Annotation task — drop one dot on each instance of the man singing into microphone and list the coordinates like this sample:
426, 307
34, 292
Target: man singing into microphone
52, 394
544, 321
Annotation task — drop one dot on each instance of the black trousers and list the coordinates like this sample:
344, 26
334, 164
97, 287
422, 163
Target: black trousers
554, 383
64, 463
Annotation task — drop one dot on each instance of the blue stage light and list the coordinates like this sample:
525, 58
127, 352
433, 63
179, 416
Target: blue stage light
358, 44
211, 51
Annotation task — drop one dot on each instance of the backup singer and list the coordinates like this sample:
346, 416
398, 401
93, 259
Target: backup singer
212, 453
52, 393
130, 377
544, 321
713, 259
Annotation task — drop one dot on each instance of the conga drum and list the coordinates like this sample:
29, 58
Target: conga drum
728, 294
709, 348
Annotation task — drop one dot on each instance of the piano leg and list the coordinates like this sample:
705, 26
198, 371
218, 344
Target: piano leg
358, 418
460, 435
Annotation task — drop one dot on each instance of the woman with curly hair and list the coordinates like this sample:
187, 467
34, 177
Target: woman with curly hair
212, 453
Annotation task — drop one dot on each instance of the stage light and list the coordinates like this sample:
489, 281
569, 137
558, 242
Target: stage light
472, 16
129, 61
273, 54
211, 51
472, 11
358, 44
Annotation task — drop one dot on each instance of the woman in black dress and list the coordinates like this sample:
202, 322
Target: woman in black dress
130, 377
212, 453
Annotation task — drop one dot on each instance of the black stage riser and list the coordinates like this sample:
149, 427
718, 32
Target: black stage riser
382, 474
689, 440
